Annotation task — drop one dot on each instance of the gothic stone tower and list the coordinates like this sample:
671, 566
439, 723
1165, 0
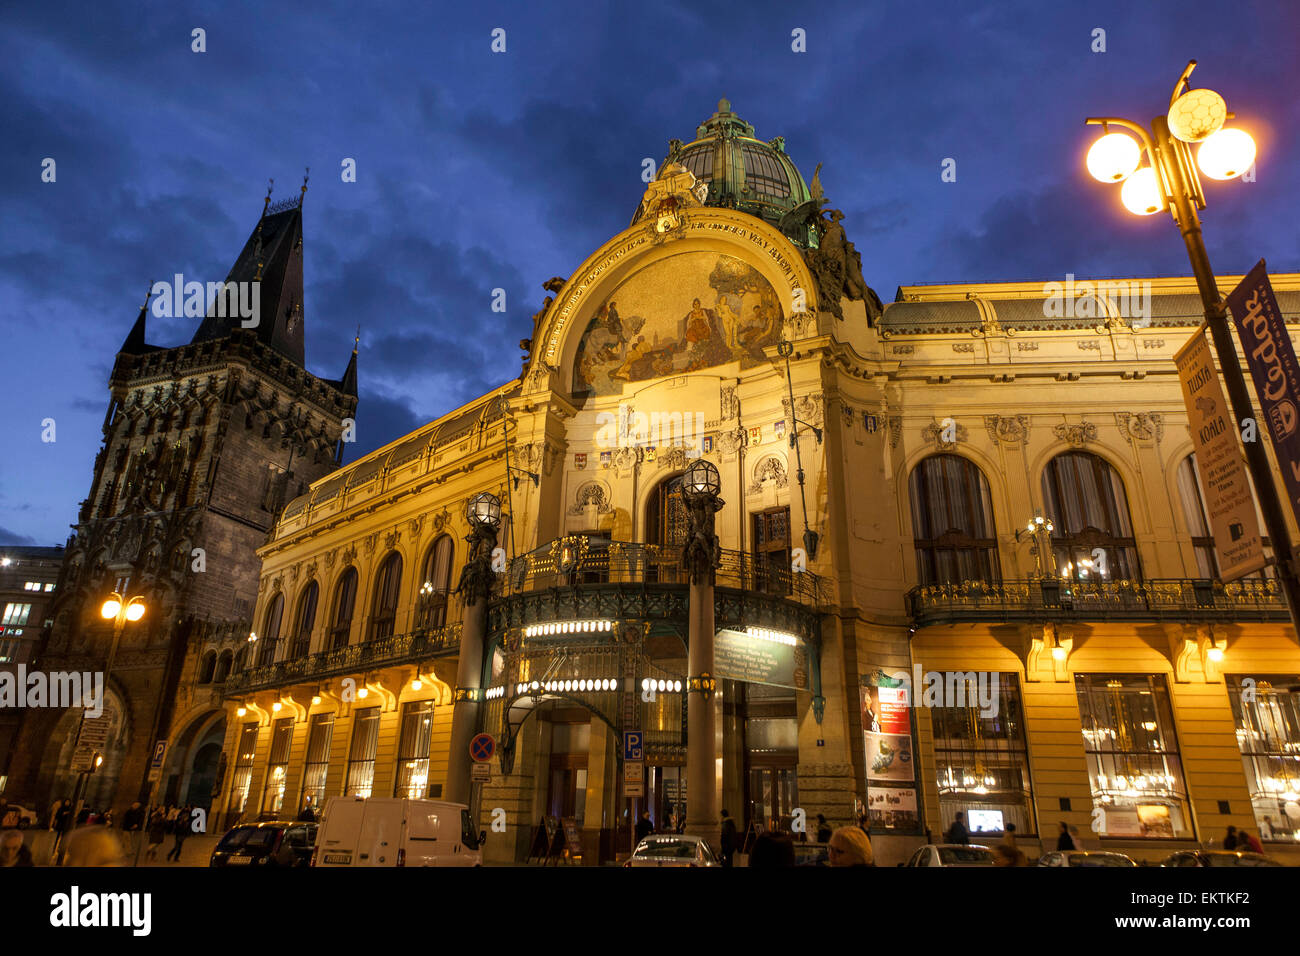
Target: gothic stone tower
203, 445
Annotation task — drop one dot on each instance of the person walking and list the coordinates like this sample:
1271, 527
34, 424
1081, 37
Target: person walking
132, 825
1230, 840
1076, 839
1009, 836
1247, 841
157, 833
13, 852
728, 839
643, 826
823, 829
307, 814
957, 833
181, 831
63, 824
849, 846
1007, 854
1063, 840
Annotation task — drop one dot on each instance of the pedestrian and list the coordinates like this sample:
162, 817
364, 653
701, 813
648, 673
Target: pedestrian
1247, 841
93, 846
849, 846
132, 825
958, 833
864, 824
728, 840
157, 833
63, 824
823, 829
13, 852
1009, 836
1076, 839
643, 826
1230, 841
106, 818
772, 849
181, 831
1007, 854
308, 815
1063, 840
1266, 829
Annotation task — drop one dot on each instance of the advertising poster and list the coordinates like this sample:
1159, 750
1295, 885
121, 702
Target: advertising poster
892, 808
889, 758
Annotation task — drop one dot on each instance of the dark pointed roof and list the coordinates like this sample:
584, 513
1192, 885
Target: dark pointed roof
349, 382
134, 343
276, 241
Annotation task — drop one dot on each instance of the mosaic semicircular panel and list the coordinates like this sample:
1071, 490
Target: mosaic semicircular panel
678, 315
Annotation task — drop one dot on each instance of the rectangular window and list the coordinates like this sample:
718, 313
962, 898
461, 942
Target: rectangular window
32, 586
982, 762
413, 750
772, 550
1267, 713
50, 586
16, 613
317, 766
361, 759
1132, 753
8, 651
242, 780
278, 768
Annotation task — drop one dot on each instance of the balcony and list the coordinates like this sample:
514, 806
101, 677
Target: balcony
1168, 599
581, 577
395, 649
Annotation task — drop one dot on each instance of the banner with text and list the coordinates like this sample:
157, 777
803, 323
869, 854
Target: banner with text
1273, 366
1228, 498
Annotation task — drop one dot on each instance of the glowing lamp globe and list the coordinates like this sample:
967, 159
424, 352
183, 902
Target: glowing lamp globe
1141, 193
484, 510
702, 479
134, 611
1113, 158
1197, 114
110, 608
1226, 154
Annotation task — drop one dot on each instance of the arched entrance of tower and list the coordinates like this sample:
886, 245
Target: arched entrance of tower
100, 787
193, 757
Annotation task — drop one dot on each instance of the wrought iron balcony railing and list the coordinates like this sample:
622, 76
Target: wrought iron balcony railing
576, 560
395, 649
1250, 599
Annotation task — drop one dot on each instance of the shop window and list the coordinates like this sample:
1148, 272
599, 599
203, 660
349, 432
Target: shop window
1085, 499
317, 766
1267, 713
982, 761
361, 759
952, 522
413, 749
242, 779
1132, 752
278, 766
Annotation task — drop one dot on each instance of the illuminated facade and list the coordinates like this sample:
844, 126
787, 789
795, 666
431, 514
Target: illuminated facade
874, 467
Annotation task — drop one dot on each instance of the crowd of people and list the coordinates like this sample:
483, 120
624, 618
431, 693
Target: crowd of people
91, 837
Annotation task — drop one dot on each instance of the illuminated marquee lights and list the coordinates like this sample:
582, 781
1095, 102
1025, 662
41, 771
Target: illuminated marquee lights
569, 686
662, 686
568, 627
778, 637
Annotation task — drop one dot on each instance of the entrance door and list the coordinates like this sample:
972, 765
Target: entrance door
772, 550
667, 524
773, 795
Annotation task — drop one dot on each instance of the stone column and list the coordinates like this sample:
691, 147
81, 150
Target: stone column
700, 558
475, 589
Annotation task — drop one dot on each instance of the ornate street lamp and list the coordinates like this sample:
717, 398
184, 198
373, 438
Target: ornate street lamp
1169, 181
702, 554
484, 512
702, 478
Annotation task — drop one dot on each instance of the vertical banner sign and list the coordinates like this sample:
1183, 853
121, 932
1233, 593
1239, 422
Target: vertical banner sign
889, 750
1227, 491
1273, 365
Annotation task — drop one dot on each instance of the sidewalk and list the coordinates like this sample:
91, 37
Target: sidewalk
195, 851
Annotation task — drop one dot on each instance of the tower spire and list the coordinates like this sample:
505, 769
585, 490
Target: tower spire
134, 343
305, 176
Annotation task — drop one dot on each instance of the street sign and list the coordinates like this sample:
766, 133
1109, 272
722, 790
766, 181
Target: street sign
94, 732
159, 755
155, 774
633, 748
482, 747
480, 773
634, 789
634, 771
83, 760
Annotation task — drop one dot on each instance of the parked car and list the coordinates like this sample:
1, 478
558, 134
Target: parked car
1085, 858
952, 854
668, 849
17, 816
1217, 858
396, 831
272, 843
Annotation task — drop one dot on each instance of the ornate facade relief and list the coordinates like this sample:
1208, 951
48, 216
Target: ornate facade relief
1077, 434
592, 494
933, 433
1143, 426
1013, 431
769, 467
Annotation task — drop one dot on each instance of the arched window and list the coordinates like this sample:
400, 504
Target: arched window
435, 584
387, 585
1085, 499
305, 621
345, 599
666, 524
241, 660
952, 522
224, 662
208, 667
270, 636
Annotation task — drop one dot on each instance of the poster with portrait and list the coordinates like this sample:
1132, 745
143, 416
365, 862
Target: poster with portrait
889, 749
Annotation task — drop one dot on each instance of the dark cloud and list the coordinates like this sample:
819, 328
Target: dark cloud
12, 537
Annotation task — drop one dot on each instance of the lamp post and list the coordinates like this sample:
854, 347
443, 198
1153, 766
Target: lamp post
475, 587
1170, 181
700, 558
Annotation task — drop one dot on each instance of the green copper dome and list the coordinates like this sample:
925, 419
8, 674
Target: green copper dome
747, 174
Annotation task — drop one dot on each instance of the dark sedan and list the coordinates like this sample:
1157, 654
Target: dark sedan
273, 843
1217, 858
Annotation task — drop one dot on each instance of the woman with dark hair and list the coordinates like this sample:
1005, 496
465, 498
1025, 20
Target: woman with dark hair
772, 849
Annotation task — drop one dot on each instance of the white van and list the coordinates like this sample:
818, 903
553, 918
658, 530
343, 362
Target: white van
394, 831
